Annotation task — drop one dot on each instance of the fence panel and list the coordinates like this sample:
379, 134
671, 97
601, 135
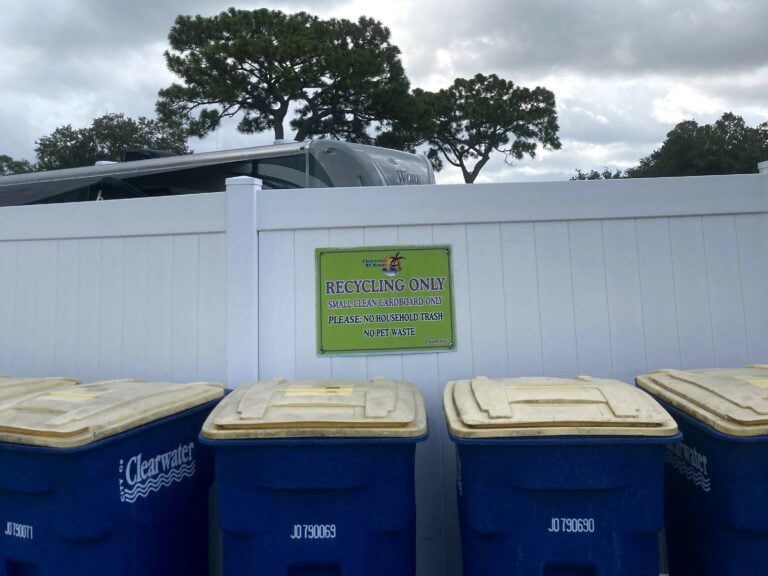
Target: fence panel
119, 289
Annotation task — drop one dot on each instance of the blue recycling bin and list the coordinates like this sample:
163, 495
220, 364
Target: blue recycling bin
317, 477
717, 479
558, 477
106, 479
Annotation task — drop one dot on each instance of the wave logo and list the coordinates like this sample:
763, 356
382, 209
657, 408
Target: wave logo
690, 463
141, 476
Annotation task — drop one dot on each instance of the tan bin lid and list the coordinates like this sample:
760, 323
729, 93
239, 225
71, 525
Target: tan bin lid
539, 406
377, 408
15, 387
731, 400
78, 415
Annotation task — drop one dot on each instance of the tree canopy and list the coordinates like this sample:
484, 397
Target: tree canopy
338, 78
10, 166
107, 138
728, 146
606, 174
465, 123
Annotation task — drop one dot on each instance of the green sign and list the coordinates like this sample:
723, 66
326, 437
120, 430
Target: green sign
384, 299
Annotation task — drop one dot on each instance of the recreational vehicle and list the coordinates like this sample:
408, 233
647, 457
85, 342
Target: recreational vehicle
309, 164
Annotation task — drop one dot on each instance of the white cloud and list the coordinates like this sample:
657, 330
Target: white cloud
682, 102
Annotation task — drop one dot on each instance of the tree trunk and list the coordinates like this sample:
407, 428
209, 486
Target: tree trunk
469, 177
279, 118
305, 128
279, 130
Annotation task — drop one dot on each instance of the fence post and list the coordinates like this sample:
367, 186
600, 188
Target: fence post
242, 280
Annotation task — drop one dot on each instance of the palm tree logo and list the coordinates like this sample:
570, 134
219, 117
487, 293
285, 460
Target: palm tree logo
392, 264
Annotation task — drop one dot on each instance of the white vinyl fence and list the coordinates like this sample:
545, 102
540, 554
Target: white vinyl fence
606, 278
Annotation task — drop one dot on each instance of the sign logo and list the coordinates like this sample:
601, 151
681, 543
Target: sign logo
689, 462
392, 265
140, 476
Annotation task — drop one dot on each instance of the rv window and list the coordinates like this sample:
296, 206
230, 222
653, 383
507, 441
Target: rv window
290, 172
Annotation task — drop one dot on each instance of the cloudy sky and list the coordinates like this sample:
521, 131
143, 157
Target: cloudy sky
624, 72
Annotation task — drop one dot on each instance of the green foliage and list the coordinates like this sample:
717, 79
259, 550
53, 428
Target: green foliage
10, 166
415, 123
606, 174
108, 138
728, 146
465, 123
342, 77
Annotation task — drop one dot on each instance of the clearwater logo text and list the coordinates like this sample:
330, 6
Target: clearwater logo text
689, 462
140, 476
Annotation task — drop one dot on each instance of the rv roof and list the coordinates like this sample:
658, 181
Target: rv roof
307, 164
26, 188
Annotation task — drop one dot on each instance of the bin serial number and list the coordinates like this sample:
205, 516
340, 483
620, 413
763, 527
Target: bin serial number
16, 530
313, 532
572, 525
